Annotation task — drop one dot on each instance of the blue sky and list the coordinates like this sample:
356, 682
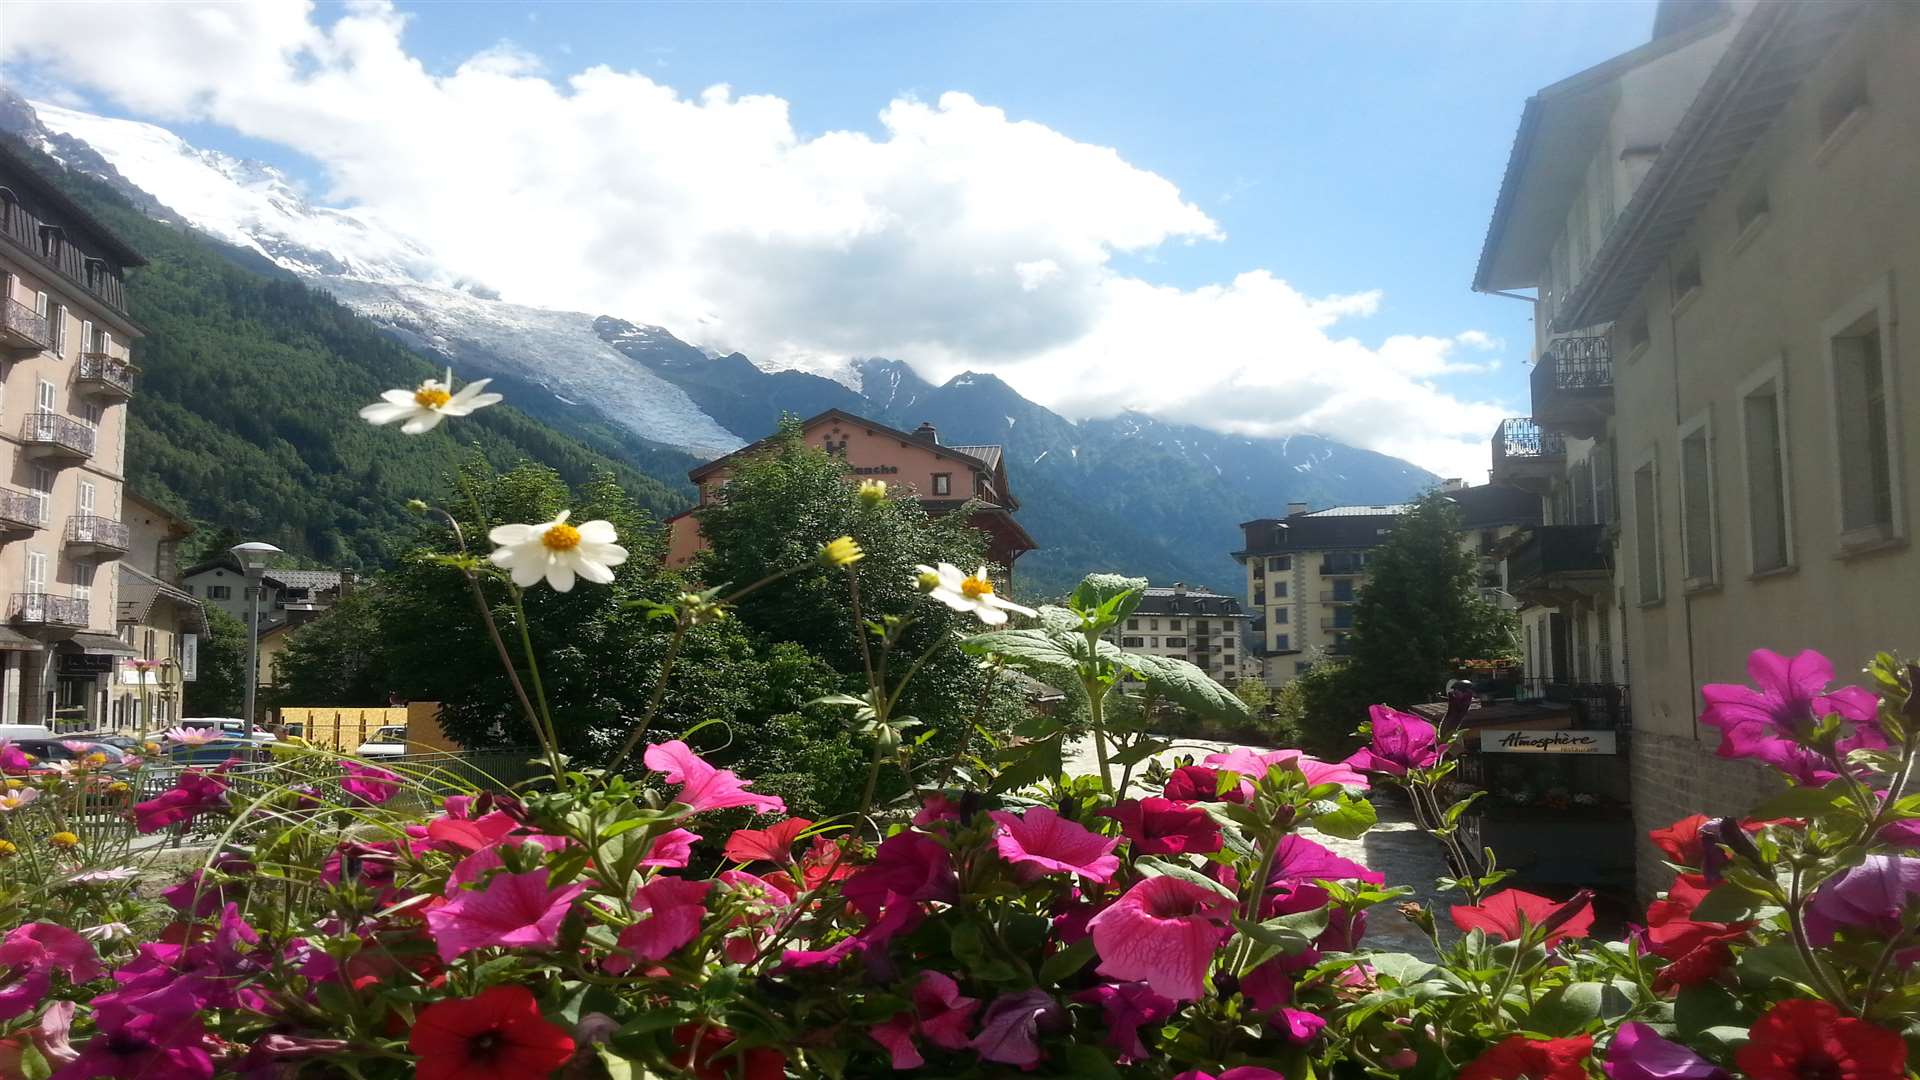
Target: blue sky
1340, 148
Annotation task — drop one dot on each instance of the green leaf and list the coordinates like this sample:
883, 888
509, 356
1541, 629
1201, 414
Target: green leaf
1159, 868
1059, 620
1727, 903
1139, 752
1114, 596
1779, 960
1042, 654
1569, 1009
618, 1068
1403, 968
1350, 819
1030, 763
1291, 933
1083, 1060
33, 1066
1707, 1005
1186, 686
1066, 962
1796, 802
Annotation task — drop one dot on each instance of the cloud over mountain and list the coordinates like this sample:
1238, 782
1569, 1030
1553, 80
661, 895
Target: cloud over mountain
956, 236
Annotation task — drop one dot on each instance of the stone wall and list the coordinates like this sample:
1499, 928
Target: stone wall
1676, 776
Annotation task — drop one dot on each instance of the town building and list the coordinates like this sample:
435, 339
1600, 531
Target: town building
1303, 573
1721, 227
162, 622
944, 478
1195, 625
65, 339
289, 599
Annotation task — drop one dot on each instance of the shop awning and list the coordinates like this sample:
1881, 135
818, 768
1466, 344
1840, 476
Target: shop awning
100, 645
15, 641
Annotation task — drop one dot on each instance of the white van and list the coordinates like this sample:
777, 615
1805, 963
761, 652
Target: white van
12, 732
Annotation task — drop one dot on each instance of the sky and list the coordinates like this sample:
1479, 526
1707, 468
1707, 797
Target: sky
1259, 217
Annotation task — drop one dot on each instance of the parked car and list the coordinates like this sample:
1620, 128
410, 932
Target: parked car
230, 726
12, 732
386, 742
71, 750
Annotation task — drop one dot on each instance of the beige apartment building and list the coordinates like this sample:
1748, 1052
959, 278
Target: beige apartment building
1303, 573
1195, 625
1719, 348
159, 619
68, 376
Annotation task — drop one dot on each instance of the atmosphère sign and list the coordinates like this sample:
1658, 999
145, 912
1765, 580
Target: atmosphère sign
1509, 741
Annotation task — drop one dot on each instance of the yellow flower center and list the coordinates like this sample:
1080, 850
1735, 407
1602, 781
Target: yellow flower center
431, 396
64, 839
974, 588
7, 848
561, 536
95, 759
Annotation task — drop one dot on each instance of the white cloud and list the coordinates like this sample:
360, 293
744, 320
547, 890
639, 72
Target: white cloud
957, 237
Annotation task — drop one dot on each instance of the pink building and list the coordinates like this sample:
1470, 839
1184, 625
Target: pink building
943, 477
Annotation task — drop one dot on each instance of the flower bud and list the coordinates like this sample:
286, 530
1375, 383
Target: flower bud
843, 551
927, 582
1417, 915
418, 506
873, 492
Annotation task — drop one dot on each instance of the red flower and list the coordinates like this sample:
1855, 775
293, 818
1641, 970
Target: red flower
773, 844
499, 1035
1697, 951
1803, 1037
1197, 783
1517, 1056
1506, 912
1164, 827
708, 1053
1680, 842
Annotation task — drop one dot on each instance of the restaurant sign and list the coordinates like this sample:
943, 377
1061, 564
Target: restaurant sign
1512, 741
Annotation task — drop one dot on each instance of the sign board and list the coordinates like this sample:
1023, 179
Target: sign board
85, 664
133, 676
1520, 741
189, 657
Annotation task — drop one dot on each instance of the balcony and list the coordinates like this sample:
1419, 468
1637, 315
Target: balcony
1596, 706
56, 439
23, 331
20, 514
1573, 385
1335, 622
105, 377
90, 536
1334, 596
1557, 565
1525, 456
46, 609
1342, 568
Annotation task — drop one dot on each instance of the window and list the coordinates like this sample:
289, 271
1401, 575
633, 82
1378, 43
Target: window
1280, 643
1259, 597
1863, 414
57, 328
1343, 590
90, 414
1281, 615
88, 496
1300, 666
1131, 642
1698, 542
1749, 217
1153, 643
36, 572
1646, 530
1153, 624
46, 394
1133, 624
1280, 589
192, 590
1280, 562
1637, 338
942, 483
219, 592
1763, 437
1686, 281
1173, 624
43, 491
1176, 643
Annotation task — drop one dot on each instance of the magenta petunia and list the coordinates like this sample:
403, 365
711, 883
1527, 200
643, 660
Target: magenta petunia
896, 1036
1164, 931
1197, 783
1045, 842
1155, 826
670, 911
1871, 897
942, 1012
671, 850
1639, 1053
1253, 766
1401, 741
1298, 859
1125, 1008
1011, 1027
704, 787
31, 954
369, 783
133, 1044
1243, 1072
910, 866
1769, 720
191, 795
510, 911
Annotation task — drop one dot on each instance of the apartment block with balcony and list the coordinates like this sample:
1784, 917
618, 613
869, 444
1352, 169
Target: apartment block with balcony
1195, 625
1304, 572
65, 340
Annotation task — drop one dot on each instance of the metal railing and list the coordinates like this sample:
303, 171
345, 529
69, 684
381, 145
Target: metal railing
22, 508
1560, 549
97, 530
1518, 438
1595, 705
1577, 366
107, 371
52, 429
1341, 567
41, 608
1330, 596
21, 323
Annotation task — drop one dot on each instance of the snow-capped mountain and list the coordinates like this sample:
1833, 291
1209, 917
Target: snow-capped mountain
1128, 492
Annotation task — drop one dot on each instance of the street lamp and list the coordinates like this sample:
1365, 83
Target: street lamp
253, 557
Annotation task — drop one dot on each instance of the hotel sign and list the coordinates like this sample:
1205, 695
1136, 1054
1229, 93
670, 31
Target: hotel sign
875, 470
1514, 741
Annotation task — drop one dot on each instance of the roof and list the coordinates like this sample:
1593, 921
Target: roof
29, 177
1537, 188
699, 472
1314, 532
139, 591
1486, 505
1761, 70
305, 579
12, 640
1375, 510
988, 454
1183, 601
178, 525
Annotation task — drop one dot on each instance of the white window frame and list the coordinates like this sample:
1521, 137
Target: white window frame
43, 478
45, 396
1701, 423
1774, 372
1876, 300
34, 575
1651, 461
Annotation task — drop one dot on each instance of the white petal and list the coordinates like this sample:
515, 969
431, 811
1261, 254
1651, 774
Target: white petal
1008, 605
503, 556
560, 576
604, 554
595, 572
992, 616
385, 412
597, 531
953, 599
399, 397
526, 574
511, 534
426, 420
564, 515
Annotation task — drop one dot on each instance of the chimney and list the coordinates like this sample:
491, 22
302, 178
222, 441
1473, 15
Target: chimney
1295, 509
1453, 483
1179, 588
347, 580
928, 432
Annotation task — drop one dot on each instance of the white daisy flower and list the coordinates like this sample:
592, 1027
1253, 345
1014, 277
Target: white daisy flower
184, 736
423, 409
558, 551
112, 931
99, 877
14, 800
967, 592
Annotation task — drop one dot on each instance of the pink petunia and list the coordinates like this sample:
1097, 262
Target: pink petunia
1198, 783
1164, 931
510, 910
670, 911
909, 866
191, 795
671, 850
1163, 827
1253, 766
467, 834
1244, 1072
1769, 723
1297, 859
1401, 741
1125, 1008
31, 954
1011, 1027
370, 783
704, 787
942, 1012
771, 844
1044, 840
896, 1036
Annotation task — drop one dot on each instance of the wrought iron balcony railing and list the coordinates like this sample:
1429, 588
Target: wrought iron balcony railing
51, 431
1580, 362
1572, 384
20, 511
46, 609
22, 328
1519, 438
109, 376
96, 532
1553, 553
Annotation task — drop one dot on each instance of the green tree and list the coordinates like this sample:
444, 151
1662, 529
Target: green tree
220, 687
338, 658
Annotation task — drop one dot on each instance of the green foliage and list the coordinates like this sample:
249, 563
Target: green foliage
334, 659
1333, 700
221, 687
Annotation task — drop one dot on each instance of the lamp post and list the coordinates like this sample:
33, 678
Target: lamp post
253, 557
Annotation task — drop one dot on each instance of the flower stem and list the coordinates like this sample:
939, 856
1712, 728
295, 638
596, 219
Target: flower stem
654, 699
551, 734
